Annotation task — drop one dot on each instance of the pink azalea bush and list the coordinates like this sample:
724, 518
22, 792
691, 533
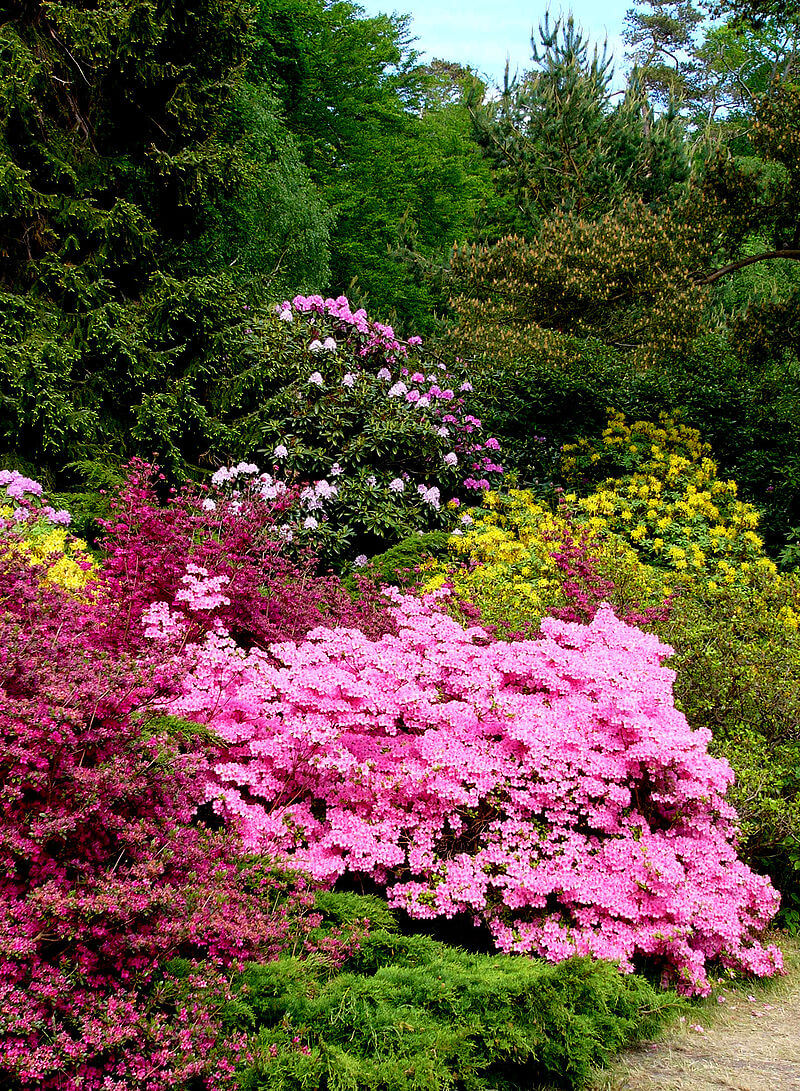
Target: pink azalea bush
547, 787
106, 874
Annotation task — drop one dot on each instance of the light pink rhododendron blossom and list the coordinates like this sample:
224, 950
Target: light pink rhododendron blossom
25, 495
547, 787
374, 371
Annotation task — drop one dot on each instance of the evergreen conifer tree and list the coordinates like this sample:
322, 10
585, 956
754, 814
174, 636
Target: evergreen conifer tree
140, 176
660, 35
561, 140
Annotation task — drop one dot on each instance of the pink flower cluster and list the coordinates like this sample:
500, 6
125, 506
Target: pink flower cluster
25, 495
546, 787
375, 337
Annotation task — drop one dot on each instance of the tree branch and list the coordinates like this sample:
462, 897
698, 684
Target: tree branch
709, 278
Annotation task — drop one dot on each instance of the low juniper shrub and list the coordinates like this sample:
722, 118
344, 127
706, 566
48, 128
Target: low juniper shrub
410, 1012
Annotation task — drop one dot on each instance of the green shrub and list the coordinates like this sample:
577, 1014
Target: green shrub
559, 391
342, 909
737, 658
398, 565
415, 1014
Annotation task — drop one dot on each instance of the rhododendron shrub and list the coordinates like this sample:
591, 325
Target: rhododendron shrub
35, 530
105, 872
392, 432
547, 787
236, 536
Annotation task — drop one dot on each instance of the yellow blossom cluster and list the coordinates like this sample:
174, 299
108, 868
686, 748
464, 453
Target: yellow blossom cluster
668, 501
664, 521
502, 561
65, 557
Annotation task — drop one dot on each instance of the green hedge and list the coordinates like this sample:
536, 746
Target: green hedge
413, 1014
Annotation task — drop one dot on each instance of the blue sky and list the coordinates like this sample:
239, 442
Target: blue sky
483, 34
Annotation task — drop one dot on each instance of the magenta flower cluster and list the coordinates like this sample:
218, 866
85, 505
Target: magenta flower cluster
548, 787
237, 535
106, 874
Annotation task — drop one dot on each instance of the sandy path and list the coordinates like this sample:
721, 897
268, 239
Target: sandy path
748, 1041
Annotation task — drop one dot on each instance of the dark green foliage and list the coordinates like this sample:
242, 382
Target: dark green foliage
109, 139
561, 390
412, 1013
398, 565
392, 153
341, 909
274, 232
135, 166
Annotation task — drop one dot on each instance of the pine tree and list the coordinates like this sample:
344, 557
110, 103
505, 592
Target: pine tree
607, 245
713, 70
560, 142
661, 36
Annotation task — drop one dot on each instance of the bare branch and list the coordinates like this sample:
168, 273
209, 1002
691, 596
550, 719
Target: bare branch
770, 255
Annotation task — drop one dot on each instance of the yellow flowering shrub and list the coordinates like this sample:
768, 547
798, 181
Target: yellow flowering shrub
667, 501
65, 558
735, 626
502, 560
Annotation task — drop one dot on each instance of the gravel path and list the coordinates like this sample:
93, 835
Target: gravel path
748, 1041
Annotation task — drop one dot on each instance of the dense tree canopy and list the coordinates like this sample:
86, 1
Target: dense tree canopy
224, 225
137, 166
387, 141
169, 172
